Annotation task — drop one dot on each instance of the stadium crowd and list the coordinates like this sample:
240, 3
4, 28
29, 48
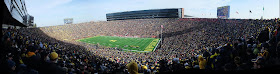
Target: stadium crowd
188, 45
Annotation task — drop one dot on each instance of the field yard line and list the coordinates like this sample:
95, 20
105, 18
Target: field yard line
140, 43
152, 44
132, 42
147, 45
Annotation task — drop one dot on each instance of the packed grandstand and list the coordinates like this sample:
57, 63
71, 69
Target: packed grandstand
188, 45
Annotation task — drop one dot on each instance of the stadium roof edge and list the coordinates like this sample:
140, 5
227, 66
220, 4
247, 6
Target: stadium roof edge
141, 10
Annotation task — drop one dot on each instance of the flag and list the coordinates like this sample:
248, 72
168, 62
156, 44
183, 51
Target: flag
161, 26
237, 12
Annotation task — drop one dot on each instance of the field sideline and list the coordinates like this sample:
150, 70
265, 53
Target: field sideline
126, 43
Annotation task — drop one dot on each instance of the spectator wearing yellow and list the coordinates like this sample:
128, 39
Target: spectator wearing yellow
202, 62
53, 56
132, 67
52, 67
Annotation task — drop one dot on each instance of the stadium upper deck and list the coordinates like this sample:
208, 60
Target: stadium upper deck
145, 14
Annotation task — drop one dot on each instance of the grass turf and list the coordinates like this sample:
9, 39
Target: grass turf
127, 44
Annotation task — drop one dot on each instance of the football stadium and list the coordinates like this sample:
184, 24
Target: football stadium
123, 39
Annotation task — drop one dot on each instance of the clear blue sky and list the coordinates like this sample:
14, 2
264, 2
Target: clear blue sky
52, 12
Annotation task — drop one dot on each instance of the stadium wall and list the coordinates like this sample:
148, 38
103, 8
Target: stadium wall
15, 13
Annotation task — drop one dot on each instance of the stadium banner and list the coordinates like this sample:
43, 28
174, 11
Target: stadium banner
136, 36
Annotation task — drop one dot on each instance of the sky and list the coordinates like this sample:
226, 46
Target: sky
52, 12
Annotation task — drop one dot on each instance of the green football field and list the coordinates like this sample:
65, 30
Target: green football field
127, 44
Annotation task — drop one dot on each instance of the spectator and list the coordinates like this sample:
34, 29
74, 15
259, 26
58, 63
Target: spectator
52, 68
202, 62
264, 35
255, 49
258, 63
11, 65
132, 67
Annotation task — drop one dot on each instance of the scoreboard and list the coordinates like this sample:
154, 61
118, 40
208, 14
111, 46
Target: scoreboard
68, 20
223, 12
